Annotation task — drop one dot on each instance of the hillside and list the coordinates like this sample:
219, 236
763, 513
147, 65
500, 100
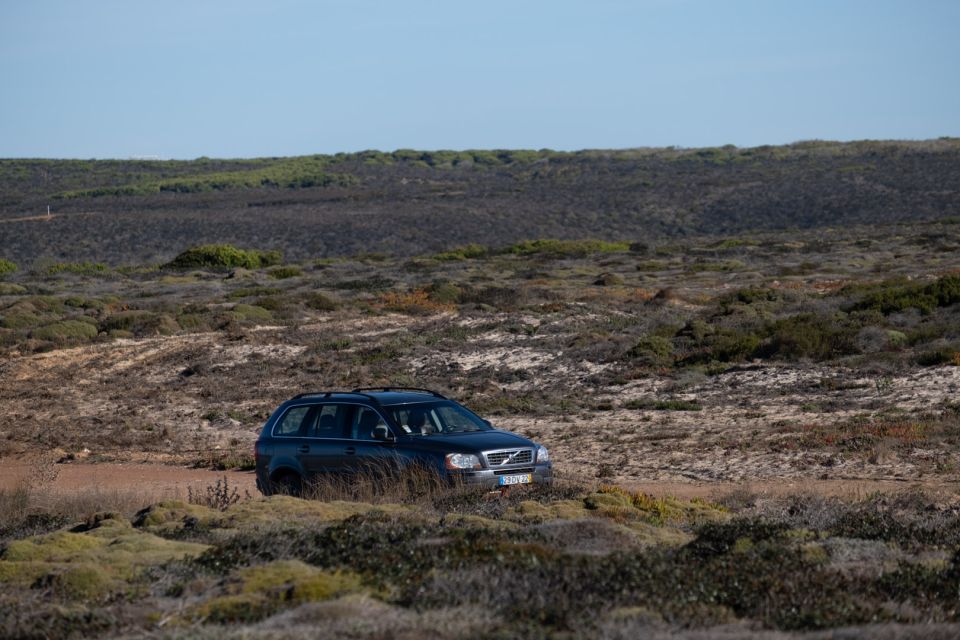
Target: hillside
413, 203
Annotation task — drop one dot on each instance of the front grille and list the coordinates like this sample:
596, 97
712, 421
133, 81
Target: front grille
503, 472
509, 457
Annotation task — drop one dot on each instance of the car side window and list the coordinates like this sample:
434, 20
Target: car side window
331, 421
291, 422
365, 420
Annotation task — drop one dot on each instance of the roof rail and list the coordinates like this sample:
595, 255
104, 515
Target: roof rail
324, 393
361, 390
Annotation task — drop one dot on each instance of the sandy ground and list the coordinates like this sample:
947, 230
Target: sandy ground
169, 481
154, 479
745, 436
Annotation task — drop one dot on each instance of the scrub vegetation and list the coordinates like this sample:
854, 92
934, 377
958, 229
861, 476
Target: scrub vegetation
687, 318
579, 561
407, 202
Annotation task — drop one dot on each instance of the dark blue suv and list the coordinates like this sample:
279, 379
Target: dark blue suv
342, 433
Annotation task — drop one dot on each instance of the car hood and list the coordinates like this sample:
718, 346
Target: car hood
472, 442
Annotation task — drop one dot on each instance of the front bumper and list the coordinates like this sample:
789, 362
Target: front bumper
541, 473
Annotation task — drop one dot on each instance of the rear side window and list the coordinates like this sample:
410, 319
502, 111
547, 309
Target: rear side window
291, 422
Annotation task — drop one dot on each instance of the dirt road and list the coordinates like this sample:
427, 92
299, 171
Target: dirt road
163, 481
171, 481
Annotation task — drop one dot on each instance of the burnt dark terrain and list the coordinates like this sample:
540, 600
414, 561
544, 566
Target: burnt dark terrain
413, 202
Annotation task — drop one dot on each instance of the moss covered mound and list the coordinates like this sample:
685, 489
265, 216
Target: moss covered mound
223, 256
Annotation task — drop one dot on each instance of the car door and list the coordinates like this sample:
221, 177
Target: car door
370, 455
325, 447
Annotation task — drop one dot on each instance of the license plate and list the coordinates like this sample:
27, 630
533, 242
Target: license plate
523, 478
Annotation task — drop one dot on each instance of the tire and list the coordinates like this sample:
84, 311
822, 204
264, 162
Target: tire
287, 484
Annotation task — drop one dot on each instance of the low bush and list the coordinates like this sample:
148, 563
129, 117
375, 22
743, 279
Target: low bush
282, 273
891, 298
251, 313
7, 267
223, 256
807, 335
566, 248
936, 357
320, 302
465, 252
652, 350
140, 323
66, 331
80, 268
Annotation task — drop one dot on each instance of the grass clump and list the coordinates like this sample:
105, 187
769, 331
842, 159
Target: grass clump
253, 593
79, 268
139, 322
251, 313
465, 252
282, 273
10, 289
223, 256
320, 302
66, 331
7, 267
566, 248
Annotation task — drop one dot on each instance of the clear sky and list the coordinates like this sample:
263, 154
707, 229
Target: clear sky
236, 78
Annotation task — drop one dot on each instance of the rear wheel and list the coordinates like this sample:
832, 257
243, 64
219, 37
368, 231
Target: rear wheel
287, 484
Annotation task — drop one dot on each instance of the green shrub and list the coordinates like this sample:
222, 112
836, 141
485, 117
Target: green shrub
566, 248
80, 268
445, 293
810, 336
282, 273
936, 357
7, 267
9, 289
319, 302
223, 256
653, 351
465, 252
891, 298
66, 331
80, 302
140, 323
286, 173
252, 313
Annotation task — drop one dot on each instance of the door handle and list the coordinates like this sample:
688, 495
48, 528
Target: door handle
304, 448
350, 451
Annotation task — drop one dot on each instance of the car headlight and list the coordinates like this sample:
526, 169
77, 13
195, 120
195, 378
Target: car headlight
542, 454
462, 461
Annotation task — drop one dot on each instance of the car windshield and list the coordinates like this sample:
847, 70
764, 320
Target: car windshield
440, 417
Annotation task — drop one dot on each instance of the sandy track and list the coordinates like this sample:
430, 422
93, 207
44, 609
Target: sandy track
171, 481
151, 479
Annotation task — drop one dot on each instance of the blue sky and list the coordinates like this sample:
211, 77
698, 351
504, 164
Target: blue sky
233, 78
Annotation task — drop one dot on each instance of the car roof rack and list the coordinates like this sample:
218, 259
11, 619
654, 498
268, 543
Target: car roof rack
362, 390
325, 394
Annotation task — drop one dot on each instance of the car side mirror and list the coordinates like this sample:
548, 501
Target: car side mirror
382, 433
488, 423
